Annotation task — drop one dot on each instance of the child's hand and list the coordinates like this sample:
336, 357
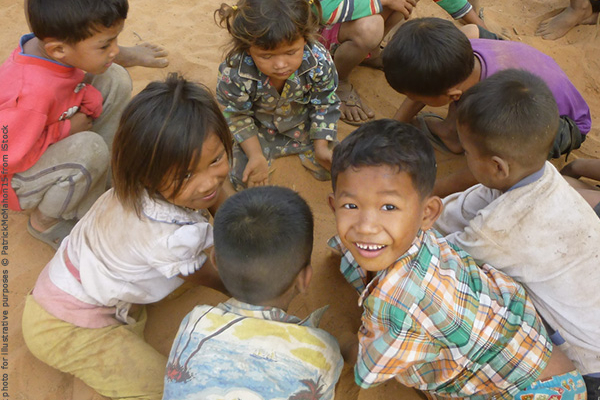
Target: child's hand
256, 172
79, 123
323, 154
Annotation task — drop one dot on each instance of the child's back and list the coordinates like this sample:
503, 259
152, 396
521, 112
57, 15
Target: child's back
529, 223
249, 347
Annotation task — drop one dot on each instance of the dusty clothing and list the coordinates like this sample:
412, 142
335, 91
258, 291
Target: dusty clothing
438, 322
115, 360
252, 351
544, 235
113, 258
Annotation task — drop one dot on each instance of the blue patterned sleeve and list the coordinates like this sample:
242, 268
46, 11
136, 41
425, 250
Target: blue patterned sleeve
324, 102
236, 95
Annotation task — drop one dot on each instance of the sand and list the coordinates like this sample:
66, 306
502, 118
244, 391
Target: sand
186, 28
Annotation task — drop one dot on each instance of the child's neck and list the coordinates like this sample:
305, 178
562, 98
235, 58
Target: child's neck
35, 47
475, 76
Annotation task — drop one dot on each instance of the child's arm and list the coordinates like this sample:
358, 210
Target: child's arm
325, 106
407, 110
586, 168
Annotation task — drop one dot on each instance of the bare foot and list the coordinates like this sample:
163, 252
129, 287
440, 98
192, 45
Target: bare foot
353, 110
557, 26
143, 55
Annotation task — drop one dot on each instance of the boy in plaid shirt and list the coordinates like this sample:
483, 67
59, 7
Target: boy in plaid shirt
433, 319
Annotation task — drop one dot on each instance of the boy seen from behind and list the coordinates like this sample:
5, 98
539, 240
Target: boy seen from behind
433, 63
249, 347
433, 319
60, 121
524, 217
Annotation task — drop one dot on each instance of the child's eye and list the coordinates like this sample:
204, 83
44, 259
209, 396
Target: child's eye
216, 160
187, 176
388, 207
350, 206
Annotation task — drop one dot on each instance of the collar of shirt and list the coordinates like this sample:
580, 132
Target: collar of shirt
247, 69
272, 313
358, 277
163, 211
529, 179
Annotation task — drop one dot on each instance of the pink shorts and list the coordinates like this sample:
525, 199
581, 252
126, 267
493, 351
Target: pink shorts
329, 36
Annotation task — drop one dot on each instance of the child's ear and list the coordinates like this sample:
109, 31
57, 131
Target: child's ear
331, 200
303, 279
56, 49
213, 258
454, 93
432, 209
501, 168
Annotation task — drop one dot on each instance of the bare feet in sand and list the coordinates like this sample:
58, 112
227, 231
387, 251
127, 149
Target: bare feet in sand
578, 12
143, 55
353, 110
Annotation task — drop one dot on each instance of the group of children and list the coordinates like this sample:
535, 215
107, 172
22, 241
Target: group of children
487, 293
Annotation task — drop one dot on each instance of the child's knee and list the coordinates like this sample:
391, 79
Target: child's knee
367, 32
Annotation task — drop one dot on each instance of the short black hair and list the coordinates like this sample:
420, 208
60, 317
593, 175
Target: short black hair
392, 143
511, 114
427, 56
72, 21
160, 137
263, 239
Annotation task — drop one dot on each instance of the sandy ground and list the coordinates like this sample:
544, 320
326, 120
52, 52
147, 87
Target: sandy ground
187, 30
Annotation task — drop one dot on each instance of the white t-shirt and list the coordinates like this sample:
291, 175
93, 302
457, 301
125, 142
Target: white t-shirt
547, 237
123, 259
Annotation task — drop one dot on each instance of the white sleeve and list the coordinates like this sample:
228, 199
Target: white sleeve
460, 208
185, 250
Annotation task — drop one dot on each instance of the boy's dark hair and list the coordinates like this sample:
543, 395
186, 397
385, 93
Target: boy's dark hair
72, 21
427, 56
392, 143
160, 138
263, 239
511, 114
268, 23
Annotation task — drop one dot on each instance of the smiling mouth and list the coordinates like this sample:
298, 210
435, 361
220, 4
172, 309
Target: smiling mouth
210, 196
369, 247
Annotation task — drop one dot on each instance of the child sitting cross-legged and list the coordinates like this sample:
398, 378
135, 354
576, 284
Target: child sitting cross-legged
523, 217
433, 318
249, 347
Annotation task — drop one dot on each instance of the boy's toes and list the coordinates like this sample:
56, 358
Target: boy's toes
144, 55
353, 110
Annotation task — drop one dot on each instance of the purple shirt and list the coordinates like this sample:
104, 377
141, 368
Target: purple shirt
497, 55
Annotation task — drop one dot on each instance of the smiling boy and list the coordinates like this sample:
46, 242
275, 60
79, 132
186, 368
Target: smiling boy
60, 120
433, 319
